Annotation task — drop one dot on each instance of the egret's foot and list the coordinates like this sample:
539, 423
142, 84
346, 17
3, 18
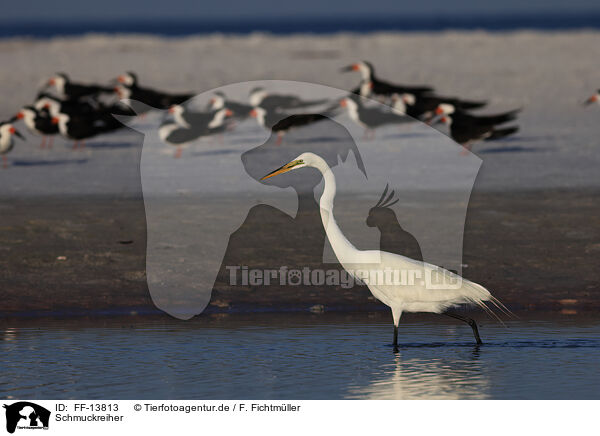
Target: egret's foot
396, 350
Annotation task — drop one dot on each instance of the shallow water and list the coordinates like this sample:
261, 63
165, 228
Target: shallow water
298, 356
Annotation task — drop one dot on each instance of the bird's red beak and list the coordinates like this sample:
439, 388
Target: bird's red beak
593, 99
438, 111
444, 119
55, 120
355, 67
121, 79
343, 102
253, 113
47, 106
52, 82
229, 113
20, 116
212, 100
12, 130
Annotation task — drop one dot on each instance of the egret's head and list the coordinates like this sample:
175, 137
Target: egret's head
301, 161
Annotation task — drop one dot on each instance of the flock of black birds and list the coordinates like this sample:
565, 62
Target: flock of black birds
80, 111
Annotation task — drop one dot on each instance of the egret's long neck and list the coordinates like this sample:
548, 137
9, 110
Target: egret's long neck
341, 246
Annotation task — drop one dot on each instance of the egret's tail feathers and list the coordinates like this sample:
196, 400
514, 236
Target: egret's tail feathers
500, 306
480, 295
487, 310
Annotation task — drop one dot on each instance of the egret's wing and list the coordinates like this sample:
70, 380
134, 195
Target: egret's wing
413, 281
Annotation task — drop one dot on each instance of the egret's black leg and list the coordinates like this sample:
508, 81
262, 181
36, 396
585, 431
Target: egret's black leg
469, 321
395, 338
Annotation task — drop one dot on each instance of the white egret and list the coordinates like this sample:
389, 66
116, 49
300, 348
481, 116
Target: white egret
416, 296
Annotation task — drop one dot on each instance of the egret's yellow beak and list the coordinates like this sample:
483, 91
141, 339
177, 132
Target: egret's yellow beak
284, 169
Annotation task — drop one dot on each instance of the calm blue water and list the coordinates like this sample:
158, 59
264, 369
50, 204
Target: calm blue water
284, 26
297, 356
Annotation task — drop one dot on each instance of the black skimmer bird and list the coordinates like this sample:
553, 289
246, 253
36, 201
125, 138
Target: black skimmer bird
55, 105
78, 108
128, 79
128, 88
80, 128
38, 122
280, 123
201, 121
485, 120
424, 106
371, 84
593, 99
466, 131
260, 97
7, 131
173, 133
73, 91
219, 101
371, 117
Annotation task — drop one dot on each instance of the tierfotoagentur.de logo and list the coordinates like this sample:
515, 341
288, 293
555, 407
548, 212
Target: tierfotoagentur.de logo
26, 416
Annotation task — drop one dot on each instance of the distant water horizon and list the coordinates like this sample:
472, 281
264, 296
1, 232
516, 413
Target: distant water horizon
289, 25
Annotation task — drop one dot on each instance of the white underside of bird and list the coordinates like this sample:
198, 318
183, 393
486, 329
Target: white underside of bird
29, 120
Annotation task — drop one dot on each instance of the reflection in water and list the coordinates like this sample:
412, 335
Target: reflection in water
432, 379
9, 334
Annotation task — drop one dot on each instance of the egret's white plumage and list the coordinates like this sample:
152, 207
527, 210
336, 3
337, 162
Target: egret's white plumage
408, 297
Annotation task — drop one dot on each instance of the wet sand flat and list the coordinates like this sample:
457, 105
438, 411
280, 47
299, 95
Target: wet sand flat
533, 249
